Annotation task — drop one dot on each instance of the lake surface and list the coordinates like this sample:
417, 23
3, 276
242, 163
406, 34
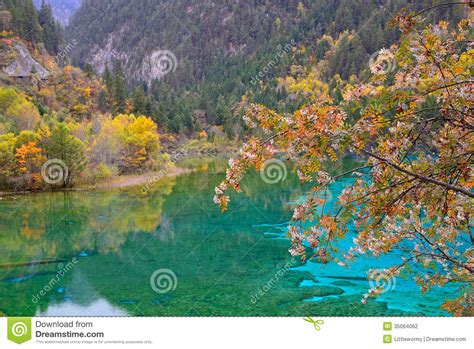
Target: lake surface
94, 253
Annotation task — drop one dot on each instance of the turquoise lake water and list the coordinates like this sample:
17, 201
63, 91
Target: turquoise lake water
95, 254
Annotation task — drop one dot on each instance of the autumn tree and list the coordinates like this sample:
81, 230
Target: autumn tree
29, 158
127, 142
141, 142
106, 146
71, 91
7, 157
18, 109
414, 132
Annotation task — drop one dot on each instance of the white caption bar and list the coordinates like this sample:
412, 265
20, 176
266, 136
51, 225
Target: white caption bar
239, 332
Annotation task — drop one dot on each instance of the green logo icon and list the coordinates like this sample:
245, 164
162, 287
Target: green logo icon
316, 323
387, 326
19, 329
387, 338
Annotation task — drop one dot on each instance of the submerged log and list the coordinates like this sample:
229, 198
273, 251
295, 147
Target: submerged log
27, 264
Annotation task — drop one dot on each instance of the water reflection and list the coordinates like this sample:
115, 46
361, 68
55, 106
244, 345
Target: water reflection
121, 237
100, 306
37, 227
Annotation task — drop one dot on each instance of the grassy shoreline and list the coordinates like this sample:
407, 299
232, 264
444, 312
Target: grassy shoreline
186, 164
125, 181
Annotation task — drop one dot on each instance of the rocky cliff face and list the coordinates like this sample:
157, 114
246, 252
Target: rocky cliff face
17, 62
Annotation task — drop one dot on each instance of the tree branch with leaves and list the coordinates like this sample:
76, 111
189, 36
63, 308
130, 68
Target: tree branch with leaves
414, 133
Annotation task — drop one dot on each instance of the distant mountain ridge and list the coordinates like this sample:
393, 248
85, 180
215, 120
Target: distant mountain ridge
63, 10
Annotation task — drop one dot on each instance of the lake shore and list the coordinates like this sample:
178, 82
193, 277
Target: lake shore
124, 181
136, 179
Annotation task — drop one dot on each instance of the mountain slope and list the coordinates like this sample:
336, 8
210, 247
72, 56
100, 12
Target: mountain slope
198, 33
197, 58
35, 26
201, 33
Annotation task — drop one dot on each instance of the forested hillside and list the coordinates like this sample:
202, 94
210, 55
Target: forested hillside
58, 127
224, 50
37, 27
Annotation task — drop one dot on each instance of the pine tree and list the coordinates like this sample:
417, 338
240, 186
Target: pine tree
139, 100
51, 30
67, 148
107, 78
89, 70
119, 87
24, 19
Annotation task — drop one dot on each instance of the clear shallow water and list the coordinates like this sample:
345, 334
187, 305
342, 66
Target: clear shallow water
120, 237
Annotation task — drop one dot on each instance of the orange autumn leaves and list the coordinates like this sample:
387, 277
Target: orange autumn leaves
29, 159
